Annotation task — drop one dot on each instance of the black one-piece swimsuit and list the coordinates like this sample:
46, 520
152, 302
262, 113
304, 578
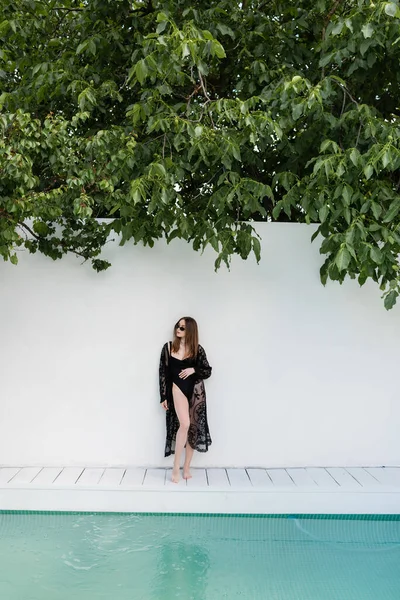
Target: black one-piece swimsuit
185, 385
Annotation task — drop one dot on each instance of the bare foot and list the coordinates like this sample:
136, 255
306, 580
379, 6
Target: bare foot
175, 475
187, 474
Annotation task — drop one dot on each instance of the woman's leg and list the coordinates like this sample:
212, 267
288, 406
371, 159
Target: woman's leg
181, 405
188, 460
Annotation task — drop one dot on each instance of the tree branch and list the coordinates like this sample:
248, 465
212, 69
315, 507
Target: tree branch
29, 230
326, 23
38, 238
67, 9
332, 12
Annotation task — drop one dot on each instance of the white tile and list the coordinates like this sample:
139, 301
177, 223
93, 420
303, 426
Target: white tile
46, 476
112, 477
7, 473
25, 475
133, 477
238, 478
172, 485
199, 479
322, 478
154, 478
280, 478
363, 477
386, 475
301, 478
90, 477
344, 478
260, 478
217, 478
68, 476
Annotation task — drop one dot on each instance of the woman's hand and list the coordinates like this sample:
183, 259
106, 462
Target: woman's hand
164, 405
185, 373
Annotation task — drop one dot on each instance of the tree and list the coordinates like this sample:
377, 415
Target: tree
194, 120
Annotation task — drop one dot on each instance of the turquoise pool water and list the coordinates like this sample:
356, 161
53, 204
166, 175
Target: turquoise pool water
151, 557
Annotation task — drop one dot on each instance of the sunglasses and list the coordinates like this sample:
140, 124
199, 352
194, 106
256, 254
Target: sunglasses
180, 328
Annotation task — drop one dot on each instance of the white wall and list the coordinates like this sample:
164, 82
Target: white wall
303, 375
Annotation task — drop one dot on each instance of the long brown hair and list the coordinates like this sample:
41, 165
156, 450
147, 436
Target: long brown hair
191, 337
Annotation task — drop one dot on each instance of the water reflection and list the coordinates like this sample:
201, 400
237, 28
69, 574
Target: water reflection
182, 571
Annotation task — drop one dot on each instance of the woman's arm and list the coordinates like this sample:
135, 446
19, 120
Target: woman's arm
202, 368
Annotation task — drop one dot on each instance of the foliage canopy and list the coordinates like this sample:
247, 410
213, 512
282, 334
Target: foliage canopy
192, 120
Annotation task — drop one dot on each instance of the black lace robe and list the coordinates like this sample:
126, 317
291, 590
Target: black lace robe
198, 434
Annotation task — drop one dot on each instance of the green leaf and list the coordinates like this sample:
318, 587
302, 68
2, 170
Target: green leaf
81, 47
277, 209
386, 159
323, 273
161, 16
374, 227
325, 60
92, 46
236, 152
347, 194
342, 259
350, 248
368, 171
225, 30
393, 211
114, 209
158, 169
323, 213
161, 27
315, 234
367, 30
185, 50
340, 169
41, 228
214, 243
355, 157
14, 259
217, 49
376, 255
337, 29
365, 207
362, 278
141, 71
297, 111
364, 46
391, 9
350, 236
325, 145
390, 299
256, 248
376, 209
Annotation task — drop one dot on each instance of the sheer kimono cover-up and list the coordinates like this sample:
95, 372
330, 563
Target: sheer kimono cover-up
198, 435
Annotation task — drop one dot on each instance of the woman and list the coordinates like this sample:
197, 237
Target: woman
183, 366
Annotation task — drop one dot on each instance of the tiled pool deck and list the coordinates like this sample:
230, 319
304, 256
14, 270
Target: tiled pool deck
314, 490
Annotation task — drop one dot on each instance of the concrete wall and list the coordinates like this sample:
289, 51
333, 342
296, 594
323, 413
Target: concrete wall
303, 375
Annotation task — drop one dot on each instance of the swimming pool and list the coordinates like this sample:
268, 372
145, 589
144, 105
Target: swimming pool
50, 556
